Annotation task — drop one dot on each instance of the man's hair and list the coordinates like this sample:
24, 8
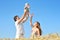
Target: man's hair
15, 17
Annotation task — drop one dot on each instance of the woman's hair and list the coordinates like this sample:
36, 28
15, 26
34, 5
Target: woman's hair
15, 17
40, 31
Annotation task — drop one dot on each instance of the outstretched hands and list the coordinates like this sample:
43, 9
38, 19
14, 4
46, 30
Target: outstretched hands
31, 15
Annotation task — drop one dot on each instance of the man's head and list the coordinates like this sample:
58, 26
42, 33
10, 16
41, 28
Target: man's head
16, 18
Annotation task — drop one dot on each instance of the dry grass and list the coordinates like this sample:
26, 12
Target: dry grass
46, 37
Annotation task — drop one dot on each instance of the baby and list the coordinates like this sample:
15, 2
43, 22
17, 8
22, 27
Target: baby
26, 8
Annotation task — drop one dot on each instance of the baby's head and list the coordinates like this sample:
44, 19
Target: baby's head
27, 5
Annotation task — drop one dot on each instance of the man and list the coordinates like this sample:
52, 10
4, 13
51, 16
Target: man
19, 25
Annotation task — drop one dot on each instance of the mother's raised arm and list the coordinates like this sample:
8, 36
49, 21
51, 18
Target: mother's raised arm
31, 20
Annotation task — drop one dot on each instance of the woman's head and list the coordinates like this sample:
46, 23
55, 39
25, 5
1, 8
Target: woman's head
37, 25
16, 18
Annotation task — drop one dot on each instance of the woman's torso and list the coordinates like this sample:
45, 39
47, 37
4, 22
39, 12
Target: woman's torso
34, 31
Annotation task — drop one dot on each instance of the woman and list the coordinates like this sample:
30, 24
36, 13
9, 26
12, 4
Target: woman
36, 30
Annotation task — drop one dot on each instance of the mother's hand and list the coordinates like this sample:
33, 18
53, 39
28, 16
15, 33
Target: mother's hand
31, 15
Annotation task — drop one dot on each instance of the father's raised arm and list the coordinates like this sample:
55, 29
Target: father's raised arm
20, 20
25, 19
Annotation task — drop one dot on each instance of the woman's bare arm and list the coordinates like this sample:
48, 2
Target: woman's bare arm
38, 33
31, 20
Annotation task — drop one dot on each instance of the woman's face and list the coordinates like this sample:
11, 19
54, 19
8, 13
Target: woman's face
35, 24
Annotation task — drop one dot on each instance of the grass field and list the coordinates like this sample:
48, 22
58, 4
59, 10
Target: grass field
46, 37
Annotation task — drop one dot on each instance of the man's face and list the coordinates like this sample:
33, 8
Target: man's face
17, 18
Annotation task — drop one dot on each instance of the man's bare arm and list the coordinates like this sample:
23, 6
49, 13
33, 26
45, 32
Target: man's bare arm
22, 17
25, 19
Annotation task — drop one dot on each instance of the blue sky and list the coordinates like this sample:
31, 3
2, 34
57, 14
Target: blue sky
47, 12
